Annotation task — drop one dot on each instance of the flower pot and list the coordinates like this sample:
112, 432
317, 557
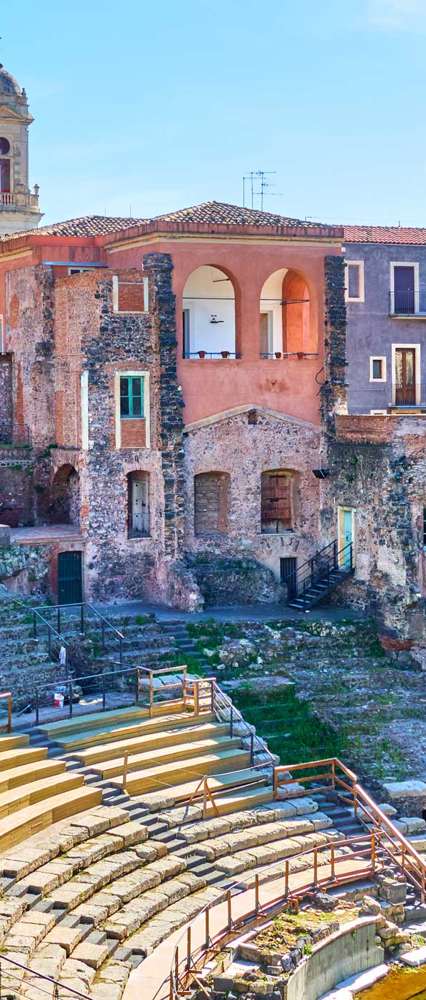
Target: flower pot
300, 355
201, 354
225, 354
277, 354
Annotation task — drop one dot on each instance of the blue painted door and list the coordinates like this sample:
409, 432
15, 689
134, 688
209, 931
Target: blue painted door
347, 536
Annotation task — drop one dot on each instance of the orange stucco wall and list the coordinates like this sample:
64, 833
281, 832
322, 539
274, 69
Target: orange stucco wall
212, 386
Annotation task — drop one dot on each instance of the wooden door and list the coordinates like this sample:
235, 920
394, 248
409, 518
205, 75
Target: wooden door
405, 376
70, 584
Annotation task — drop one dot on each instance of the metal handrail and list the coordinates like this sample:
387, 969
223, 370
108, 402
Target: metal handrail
235, 716
365, 809
82, 605
50, 631
40, 975
320, 567
363, 846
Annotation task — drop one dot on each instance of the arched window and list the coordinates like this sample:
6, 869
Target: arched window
285, 315
208, 314
138, 512
277, 500
64, 501
211, 503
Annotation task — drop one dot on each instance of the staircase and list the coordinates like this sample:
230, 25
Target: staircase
318, 576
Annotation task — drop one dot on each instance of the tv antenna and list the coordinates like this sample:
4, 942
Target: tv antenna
250, 180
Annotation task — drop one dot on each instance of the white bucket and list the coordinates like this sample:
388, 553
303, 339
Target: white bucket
58, 699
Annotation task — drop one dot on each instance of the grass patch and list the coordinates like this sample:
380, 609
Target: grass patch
288, 725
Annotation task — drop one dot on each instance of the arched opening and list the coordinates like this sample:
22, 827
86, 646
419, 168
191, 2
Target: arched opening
277, 501
138, 506
64, 502
297, 314
209, 314
285, 315
211, 503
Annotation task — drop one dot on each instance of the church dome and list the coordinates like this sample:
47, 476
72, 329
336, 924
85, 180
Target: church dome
8, 85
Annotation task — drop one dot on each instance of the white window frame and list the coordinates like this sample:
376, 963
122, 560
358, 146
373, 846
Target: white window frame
417, 349
2, 335
130, 312
360, 265
404, 263
146, 404
382, 358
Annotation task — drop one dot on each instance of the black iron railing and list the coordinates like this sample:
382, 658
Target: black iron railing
86, 617
322, 569
404, 302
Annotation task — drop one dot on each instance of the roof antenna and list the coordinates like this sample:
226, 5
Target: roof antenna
263, 184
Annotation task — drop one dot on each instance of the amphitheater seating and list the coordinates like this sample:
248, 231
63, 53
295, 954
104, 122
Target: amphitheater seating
88, 898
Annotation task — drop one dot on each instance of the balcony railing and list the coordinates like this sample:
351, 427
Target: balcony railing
211, 354
19, 199
405, 303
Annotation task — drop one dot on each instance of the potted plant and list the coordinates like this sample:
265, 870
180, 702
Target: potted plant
201, 354
300, 355
277, 354
225, 354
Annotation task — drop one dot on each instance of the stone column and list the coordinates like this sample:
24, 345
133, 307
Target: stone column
159, 269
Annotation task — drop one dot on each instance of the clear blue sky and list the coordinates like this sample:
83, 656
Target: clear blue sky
162, 105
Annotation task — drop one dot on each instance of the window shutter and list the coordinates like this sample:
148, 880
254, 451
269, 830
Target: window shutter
211, 492
276, 498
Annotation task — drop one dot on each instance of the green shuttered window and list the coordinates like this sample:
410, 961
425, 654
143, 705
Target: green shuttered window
132, 396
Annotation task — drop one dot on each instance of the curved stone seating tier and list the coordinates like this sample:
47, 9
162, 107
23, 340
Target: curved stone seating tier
88, 899
87, 730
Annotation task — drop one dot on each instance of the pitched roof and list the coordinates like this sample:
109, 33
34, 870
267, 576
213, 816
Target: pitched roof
409, 235
209, 213
222, 213
86, 225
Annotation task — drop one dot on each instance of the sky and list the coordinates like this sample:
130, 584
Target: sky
144, 107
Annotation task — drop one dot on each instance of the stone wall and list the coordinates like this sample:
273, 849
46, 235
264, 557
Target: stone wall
24, 569
383, 477
16, 486
243, 448
6, 420
333, 388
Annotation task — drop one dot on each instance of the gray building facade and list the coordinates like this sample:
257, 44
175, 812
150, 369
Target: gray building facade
386, 315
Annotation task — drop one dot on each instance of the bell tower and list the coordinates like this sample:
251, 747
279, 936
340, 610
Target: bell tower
19, 209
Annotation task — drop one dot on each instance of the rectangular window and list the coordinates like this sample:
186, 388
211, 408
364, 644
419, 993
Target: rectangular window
355, 281
129, 296
131, 396
404, 291
378, 369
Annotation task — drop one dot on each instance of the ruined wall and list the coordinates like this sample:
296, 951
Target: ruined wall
236, 445
16, 486
6, 412
378, 468
30, 338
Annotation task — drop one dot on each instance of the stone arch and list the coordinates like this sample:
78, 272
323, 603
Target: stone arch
209, 304
64, 498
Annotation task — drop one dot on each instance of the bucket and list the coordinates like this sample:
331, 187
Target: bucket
58, 699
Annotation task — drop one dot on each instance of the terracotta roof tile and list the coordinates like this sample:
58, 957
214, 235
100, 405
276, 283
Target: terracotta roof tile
222, 213
409, 235
86, 225
208, 213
